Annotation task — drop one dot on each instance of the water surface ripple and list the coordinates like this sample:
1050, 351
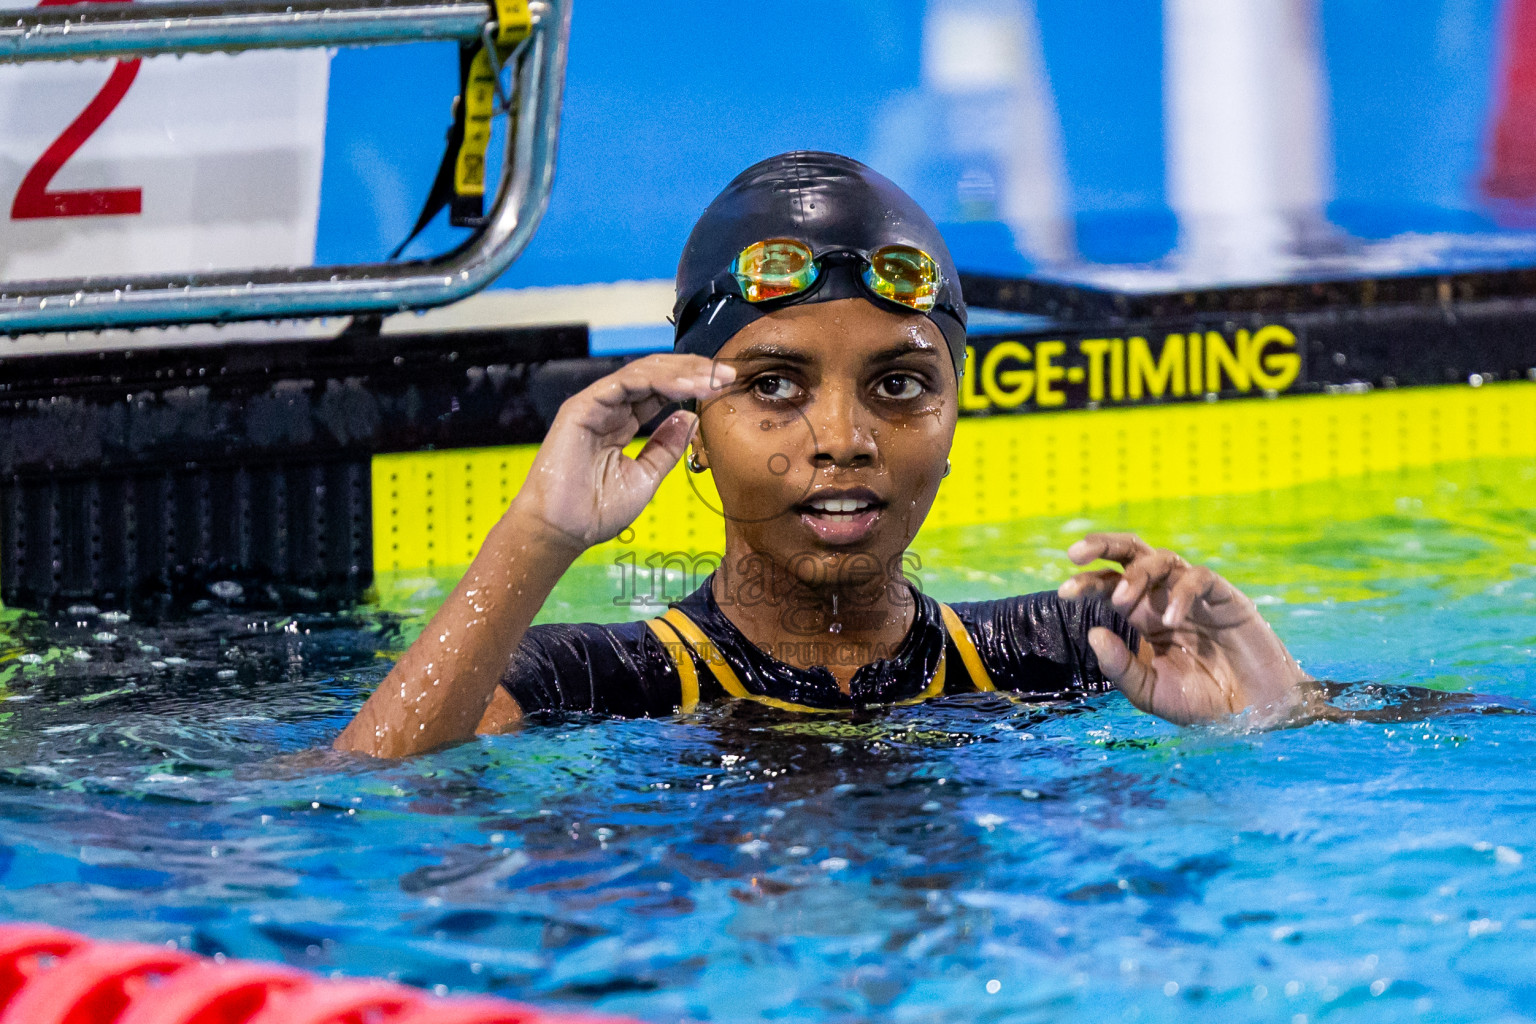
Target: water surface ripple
973, 859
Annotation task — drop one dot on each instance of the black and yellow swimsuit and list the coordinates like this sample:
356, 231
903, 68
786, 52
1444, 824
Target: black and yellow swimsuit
1036, 644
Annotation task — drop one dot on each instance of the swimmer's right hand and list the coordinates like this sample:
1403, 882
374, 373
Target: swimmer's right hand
581, 490
582, 486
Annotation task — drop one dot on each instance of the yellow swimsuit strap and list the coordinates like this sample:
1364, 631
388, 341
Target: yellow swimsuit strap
679, 634
970, 657
676, 649
705, 650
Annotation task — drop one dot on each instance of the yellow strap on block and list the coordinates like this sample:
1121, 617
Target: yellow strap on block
479, 101
513, 23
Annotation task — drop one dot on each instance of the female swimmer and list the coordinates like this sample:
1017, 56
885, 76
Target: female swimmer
821, 334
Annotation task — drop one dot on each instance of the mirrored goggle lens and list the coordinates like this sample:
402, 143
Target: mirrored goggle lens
774, 269
905, 275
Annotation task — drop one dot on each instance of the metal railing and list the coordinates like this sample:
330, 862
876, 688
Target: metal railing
113, 30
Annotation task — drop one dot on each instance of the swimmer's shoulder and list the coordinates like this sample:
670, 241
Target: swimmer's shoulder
614, 668
1038, 643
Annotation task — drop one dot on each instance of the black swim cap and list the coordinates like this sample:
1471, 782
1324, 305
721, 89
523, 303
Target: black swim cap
830, 202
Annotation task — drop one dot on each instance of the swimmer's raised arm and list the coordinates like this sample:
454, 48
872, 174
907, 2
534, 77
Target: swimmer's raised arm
1206, 653
581, 490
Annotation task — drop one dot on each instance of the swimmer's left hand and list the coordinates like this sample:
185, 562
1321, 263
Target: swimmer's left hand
1206, 653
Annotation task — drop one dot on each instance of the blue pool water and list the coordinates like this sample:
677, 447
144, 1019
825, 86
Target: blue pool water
967, 860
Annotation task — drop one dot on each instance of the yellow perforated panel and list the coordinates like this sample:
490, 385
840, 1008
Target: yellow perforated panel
432, 509
1009, 467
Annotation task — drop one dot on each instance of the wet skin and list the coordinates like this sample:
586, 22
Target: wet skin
827, 427
827, 452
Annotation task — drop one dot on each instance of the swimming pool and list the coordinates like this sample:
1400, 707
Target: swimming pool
965, 860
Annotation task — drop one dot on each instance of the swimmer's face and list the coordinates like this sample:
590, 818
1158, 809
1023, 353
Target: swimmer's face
828, 448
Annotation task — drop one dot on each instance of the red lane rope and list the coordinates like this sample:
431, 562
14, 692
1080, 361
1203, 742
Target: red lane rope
211, 993
344, 1001
25, 950
49, 976
93, 983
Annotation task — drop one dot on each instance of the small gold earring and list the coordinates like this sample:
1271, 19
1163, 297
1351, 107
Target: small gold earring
947, 467
694, 465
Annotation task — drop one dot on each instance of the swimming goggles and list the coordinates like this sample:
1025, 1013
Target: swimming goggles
781, 268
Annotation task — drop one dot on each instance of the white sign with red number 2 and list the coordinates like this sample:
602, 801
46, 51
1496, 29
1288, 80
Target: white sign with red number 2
165, 164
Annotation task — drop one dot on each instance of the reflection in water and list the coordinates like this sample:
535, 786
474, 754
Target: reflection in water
970, 857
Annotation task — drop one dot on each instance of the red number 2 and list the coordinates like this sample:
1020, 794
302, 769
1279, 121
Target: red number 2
34, 201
